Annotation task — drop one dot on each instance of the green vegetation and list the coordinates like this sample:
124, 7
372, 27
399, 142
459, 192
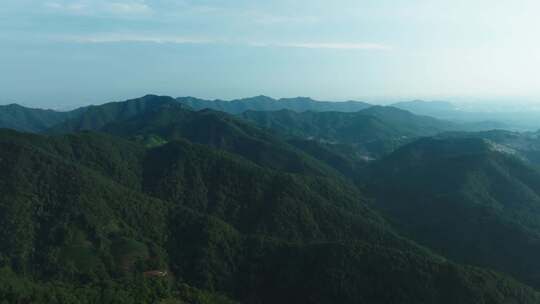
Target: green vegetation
162, 204
265, 103
465, 199
17, 117
374, 132
95, 117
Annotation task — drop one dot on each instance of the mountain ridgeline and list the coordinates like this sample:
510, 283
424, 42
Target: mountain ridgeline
466, 199
163, 200
21, 118
14, 116
265, 103
374, 131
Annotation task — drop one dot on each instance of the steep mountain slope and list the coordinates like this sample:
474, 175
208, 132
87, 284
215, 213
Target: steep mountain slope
343, 157
258, 200
70, 234
113, 157
62, 222
17, 117
467, 200
264, 103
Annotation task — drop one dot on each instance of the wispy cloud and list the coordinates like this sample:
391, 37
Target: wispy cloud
151, 38
265, 18
99, 7
327, 45
119, 38
77, 7
128, 7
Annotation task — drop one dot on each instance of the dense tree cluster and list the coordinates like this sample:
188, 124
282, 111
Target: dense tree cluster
162, 204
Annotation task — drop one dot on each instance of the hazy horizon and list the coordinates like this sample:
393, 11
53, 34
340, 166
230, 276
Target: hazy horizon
462, 103
62, 54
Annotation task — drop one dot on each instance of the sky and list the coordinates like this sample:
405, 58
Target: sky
62, 54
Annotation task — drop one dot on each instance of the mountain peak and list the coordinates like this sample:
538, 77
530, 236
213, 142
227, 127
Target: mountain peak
258, 98
13, 106
152, 97
299, 99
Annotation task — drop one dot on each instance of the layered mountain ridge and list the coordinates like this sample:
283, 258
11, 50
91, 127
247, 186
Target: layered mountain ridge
153, 200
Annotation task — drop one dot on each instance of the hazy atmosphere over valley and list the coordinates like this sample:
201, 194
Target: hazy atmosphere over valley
261, 152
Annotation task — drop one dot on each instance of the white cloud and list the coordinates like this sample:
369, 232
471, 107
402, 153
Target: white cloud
77, 7
128, 8
276, 19
265, 18
119, 38
324, 45
99, 7
131, 37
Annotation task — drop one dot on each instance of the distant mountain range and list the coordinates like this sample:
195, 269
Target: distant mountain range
430, 108
14, 116
326, 121
487, 118
374, 131
37, 120
265, 103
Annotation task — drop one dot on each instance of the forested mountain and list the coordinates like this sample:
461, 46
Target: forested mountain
371, 133
21, 118
265, 103
345, 158
72, 232
467, 199
36, 120
374, 131
525, 145
17, 117
95, 117
151, 201
218, 130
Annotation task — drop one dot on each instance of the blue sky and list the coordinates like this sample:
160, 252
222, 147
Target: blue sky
62, 53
